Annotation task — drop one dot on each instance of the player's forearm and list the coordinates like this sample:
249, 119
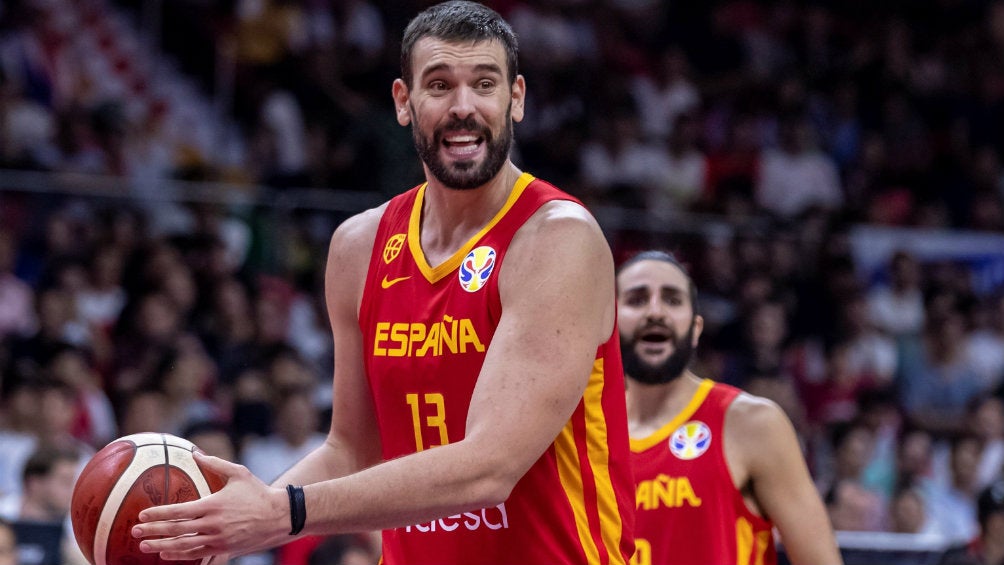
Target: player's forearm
328, 461
811, 541
416, 489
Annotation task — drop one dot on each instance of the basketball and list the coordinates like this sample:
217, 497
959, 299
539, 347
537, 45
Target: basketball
126, 476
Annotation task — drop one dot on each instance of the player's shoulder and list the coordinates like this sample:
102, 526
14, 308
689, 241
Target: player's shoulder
564, 221
754, 415
356, 234
562, 233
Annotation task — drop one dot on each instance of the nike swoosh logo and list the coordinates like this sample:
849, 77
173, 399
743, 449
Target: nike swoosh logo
385, 283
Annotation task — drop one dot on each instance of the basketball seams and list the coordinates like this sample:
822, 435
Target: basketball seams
150, 451
143, 459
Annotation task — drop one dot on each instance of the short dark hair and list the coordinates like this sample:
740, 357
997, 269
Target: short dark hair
657, 255
459, 21
44, 459
990, 501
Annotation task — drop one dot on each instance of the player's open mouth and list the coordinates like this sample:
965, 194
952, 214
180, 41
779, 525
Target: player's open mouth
463, 145
654, 337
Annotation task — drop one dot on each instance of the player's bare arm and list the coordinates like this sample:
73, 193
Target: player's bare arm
557, 293
353, 442
774, 472
558, 299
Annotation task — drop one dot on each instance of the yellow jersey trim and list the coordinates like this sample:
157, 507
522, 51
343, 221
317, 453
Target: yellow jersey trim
599, 460
570, 475
660, 435
434, 274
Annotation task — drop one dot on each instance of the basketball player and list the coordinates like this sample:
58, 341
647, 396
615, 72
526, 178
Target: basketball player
715, 468
478, 412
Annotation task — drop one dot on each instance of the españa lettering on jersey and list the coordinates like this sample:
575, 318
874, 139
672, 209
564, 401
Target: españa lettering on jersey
426, 331
688, 509
449, 336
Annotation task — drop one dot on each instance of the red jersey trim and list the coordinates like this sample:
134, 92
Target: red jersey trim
663, 433
434, 274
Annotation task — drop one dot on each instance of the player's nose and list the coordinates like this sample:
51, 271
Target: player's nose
463, 102
655, 309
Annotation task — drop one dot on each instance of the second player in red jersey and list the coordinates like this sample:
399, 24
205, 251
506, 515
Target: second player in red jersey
716, 469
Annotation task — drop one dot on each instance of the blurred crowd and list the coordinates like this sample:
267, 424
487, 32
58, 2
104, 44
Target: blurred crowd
792, 122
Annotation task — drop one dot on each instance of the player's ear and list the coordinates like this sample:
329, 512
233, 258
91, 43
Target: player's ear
698, 328
399, 91
518, 98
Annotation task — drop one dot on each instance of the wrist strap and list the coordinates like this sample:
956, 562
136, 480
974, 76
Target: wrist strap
297, 509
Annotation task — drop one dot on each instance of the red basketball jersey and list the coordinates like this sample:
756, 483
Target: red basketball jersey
426, 330
688, 509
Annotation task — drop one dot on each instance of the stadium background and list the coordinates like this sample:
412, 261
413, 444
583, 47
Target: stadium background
171, 171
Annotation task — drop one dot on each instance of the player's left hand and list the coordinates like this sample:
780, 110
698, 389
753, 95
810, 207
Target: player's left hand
245, 516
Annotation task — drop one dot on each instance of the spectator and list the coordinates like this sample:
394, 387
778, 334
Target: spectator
94, 416
871, 352
986, 421
915, 457
101, 302
18, 437
296, 433
685, 172
57, 327
909, 514
665, 94
986, 548
143, 411
935, 378
47, 479
185, 375
855, 506
17, 317
796, 176
229, 328
618, 167
213, 437
150, 326
836, 398
985, 346
953, 504
41, 515
897, 307
852, 508
733, 168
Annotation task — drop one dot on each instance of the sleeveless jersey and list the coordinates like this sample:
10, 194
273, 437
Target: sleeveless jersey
425, 334
688, 511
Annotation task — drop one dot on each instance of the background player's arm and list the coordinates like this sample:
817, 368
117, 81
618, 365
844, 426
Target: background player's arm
780, 480
558, 300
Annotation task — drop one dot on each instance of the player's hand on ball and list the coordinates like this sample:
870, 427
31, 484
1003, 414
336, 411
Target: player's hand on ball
245, 516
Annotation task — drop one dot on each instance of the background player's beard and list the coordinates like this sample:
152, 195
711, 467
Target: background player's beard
670, 369
465, 175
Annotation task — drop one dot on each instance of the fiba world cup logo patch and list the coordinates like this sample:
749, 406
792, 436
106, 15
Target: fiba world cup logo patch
690, 440
476, 268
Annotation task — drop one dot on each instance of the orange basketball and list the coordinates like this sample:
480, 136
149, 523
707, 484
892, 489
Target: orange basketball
127, 475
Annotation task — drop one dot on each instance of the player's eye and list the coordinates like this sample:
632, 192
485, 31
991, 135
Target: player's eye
636, 300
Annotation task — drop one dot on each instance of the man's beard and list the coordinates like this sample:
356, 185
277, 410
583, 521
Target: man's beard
670, 369
465, 175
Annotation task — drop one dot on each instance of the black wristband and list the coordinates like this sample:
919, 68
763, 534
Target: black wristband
297, 509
